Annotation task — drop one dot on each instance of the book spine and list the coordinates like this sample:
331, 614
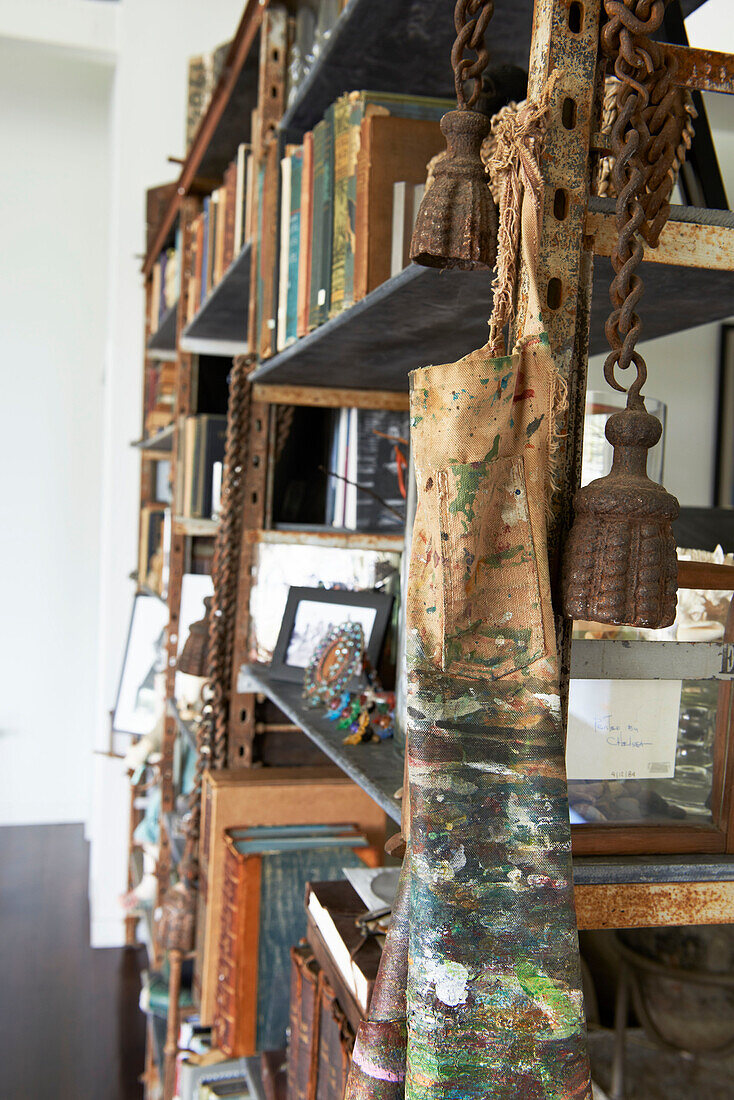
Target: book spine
294, 245
304, 257
268, 250
317, 292
219, 241
226, 1000
361, 230
327, 240
239, 192
341, 112
285, 218
230, 217
199, 260
206, 249
303, 1049
336, 1043
356, 114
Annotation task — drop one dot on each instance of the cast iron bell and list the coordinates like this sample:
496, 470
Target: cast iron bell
620, 563
457, 220
193, 659
177, 922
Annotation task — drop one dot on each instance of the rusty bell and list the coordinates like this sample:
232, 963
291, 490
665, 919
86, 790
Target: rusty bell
620, 562
457, 220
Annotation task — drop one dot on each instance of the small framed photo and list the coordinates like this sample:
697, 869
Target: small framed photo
138, 702
310, 613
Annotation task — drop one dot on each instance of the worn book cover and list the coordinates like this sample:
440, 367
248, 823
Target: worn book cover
336, 1043
323, 219
303, 1040
306, 231
294, 246
392, 150
285, 218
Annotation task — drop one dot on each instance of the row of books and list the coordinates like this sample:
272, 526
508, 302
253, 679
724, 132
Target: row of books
336, 210
154, 540
221, 230
165, 285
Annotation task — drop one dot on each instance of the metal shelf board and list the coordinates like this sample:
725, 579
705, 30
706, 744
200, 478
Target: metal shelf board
161, 441
220, 326
424, 316
376, 768
406, 48
197, 528
162, 343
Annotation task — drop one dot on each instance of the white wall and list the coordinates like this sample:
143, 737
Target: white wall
54, 133
155, 39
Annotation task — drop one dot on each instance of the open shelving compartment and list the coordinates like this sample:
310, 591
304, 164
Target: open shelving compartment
219, 326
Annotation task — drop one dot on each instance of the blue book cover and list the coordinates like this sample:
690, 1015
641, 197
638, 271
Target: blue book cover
294, 246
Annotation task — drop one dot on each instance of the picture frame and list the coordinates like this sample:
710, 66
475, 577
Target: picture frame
137, 705
309, 615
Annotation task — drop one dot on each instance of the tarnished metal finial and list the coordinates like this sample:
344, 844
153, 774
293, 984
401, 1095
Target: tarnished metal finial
456, 224
620, 563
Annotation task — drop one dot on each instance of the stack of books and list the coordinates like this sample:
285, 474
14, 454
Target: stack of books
336, 208
222, 229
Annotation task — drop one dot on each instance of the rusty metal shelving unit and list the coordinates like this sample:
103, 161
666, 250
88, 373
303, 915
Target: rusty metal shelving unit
313, 371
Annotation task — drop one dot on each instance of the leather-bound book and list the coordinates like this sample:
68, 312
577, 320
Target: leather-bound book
336, 1043
303, 1042
274, 1074
392, 150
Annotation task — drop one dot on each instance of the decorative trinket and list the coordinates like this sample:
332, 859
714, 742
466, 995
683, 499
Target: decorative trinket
620, 561
193, 659
456, 226
337, 659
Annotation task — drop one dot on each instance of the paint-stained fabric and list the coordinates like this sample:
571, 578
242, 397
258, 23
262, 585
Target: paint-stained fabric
494, 990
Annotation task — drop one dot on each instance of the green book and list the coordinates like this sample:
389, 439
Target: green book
323, 219
349, 111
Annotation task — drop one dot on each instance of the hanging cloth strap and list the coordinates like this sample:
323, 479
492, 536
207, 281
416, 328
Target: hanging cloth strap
511, 154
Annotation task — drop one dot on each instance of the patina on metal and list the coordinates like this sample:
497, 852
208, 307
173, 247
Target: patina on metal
456, 225
620, 562
193, 659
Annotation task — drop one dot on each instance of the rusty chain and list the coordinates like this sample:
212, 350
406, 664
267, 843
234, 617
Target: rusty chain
626, 40
471, 19
212, 733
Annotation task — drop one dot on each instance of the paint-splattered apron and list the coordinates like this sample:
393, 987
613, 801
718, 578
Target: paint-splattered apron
494, 999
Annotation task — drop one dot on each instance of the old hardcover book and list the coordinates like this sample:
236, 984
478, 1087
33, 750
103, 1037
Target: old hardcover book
265, 797
303, 1042
285, 217
392, 150
305, 236
230, 215
294, 246
268, 252
336, 1043
323, 219
333, 936
265, 876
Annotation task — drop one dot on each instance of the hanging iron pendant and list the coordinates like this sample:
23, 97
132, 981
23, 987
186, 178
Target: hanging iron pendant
620, 564
456, 226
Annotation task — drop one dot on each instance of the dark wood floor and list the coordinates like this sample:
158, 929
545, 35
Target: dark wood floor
69, 1023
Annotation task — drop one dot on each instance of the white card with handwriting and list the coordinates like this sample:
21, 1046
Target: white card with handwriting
622, 729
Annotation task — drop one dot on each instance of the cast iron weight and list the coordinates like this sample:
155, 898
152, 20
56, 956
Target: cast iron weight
456, 226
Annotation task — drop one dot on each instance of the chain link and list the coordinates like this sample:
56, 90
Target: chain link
637, 64
471, 19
